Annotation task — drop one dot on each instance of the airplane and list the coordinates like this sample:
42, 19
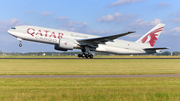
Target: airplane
66, 40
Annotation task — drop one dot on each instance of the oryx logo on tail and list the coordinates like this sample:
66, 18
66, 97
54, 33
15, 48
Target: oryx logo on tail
152, 36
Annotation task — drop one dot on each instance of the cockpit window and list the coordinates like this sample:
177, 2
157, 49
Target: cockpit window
13, 28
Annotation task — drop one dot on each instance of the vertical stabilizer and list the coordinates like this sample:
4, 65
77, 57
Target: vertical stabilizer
152, 36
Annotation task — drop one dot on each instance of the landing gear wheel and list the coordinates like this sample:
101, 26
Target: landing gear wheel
20, 45
80, 55
91, 56
87, 55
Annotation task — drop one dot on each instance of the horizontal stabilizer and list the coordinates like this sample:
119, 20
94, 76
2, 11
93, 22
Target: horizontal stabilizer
155, 48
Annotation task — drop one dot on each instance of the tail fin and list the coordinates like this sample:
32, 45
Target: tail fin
152, 36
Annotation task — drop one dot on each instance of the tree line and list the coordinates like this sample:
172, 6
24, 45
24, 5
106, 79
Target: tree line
166, 53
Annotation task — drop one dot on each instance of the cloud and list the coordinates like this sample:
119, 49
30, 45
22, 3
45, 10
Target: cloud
163, 5
82, 29
63, 18
85, 24
155, 21
63, 28
5, 38
123, 2
141, 23
116, 17
172, 32
75, 26
47, 13
176, 29
97, 32
176, 20
178, 13
69, 29
72, 23
177, 17
133, 36
5, 25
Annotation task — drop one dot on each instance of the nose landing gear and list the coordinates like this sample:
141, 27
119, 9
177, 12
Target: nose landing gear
20, 40
20, 45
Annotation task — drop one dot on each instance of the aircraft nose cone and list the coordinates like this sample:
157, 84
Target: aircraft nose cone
9, 31
12, 32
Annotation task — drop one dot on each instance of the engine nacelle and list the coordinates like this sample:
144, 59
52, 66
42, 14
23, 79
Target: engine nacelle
56, 47
65, 44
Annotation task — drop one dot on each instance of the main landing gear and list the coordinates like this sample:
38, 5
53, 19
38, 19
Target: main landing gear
86, 53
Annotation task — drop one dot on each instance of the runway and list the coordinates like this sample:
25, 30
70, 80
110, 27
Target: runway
88, 76
85, 58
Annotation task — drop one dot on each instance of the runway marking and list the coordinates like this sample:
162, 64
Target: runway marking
87, 76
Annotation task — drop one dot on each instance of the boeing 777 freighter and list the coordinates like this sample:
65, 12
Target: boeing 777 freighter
66, 40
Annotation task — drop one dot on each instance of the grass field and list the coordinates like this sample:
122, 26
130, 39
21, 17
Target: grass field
89, 66
89, 89
92, 89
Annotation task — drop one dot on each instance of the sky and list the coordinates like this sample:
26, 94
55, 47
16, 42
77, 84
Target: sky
96, 17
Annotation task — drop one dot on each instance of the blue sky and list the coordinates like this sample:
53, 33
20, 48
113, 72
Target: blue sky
96, 17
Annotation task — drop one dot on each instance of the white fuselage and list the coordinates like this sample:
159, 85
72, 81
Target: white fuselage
52, 36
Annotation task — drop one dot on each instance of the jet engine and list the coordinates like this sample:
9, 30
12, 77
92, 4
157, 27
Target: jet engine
65, 44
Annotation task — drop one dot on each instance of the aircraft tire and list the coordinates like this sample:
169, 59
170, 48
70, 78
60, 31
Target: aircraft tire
79, 55
91, 56
87, 55
20, 45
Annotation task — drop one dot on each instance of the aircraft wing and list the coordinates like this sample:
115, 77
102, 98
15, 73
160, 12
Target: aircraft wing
93, 42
